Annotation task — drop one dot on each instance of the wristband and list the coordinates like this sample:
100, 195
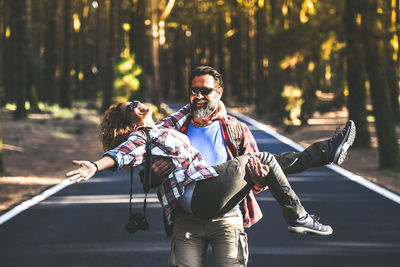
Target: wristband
97, 167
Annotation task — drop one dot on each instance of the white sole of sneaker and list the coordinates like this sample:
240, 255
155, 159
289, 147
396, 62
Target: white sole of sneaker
341, 153
304, 231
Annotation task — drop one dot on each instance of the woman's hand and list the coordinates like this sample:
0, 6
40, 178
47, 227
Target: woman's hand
258, 172
86, 171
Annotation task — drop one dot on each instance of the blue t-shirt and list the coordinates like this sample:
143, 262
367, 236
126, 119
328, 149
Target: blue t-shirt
209, 141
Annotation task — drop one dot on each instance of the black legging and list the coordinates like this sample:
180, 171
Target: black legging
216, 196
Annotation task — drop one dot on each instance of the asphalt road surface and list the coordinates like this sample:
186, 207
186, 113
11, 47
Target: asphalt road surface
83, 225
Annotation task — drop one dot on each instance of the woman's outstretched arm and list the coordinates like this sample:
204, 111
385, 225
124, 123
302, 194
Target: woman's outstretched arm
87, 169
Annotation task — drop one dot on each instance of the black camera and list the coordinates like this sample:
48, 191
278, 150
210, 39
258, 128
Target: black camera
136, 222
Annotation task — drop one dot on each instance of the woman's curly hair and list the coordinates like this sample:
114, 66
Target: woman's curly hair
115, 127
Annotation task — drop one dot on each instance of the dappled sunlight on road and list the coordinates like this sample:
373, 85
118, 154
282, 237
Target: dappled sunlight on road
101, 199
317, 198
137, 246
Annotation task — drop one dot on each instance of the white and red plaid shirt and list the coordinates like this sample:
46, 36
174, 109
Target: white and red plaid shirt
188, 163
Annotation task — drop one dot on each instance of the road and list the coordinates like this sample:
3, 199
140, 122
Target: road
83, 225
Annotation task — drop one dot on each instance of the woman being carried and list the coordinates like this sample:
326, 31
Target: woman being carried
218, 189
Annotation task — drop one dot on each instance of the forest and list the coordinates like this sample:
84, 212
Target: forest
285, 58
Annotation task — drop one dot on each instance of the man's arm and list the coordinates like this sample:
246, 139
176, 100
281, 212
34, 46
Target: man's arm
258, 172
249, 145
159, 169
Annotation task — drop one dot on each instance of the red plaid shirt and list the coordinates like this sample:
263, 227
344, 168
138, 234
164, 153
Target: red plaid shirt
188, 163
180, 120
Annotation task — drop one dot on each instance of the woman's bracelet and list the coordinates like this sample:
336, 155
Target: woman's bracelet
97, 167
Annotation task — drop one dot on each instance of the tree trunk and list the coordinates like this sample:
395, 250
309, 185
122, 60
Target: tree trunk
110, 60
338, 78
397, 23
20, 20
50, 54
355, 75
391, 66
225, 59
246, 28
77, 55
384, 121
274, 101
189, 61
7, 62
260, 56
252, 54
88, 59
65, 81
227, 69
312, 81
2, 48
1, 152
155, 55
236, 59
214, 59
141, 44
31, 86
220, 45
92, 53
179, 65
274, 82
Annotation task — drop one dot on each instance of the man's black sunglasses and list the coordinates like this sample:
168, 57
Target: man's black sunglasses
202, 90
131, 106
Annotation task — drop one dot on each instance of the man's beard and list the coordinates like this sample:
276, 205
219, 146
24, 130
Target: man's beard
203, 112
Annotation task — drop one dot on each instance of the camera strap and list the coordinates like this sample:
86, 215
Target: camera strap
147, 176
147, 171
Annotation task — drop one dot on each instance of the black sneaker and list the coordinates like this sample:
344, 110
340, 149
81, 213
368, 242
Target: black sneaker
310, 225
341, 142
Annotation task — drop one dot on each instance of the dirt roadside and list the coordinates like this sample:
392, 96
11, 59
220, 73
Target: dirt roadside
37, 152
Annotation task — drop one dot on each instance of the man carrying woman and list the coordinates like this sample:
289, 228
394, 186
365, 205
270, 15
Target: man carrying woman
217, 189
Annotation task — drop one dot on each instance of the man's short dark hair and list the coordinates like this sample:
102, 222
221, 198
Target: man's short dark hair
204, 70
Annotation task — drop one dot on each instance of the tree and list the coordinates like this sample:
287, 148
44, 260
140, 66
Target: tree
261, 21
274, 102
110, 57
155, 52
355, 74
384, 120
19, 17
237, 56
260, 47
8, 58
31, 84
65, 81
140, 41
50, 53
390, 62
1, 152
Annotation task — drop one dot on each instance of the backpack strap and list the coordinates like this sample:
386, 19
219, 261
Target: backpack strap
147, 168
147, 171
147, 176
236, 133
